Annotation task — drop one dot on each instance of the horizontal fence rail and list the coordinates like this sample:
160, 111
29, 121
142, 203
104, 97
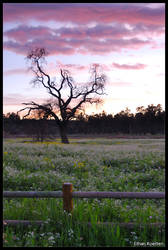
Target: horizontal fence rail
99, 195
120, 195
68, 196
22, 222
32, 194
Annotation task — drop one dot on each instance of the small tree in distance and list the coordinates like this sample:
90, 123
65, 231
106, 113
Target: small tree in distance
59, 107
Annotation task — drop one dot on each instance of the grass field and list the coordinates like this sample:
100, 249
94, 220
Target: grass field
125, 165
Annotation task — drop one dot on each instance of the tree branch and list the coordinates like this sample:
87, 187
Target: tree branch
80, 95
34, 106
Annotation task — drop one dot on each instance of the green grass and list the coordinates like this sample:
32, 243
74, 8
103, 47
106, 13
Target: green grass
126, 165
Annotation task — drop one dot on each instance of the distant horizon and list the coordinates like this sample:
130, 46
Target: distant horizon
21, 116
126, 39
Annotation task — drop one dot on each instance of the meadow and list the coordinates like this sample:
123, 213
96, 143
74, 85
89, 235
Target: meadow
100, 164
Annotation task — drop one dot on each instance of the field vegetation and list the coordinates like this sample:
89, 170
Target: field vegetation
100, 164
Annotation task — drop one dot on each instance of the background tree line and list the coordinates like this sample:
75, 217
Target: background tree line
150, 120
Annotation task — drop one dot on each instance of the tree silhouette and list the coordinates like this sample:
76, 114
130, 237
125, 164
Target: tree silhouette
59, 107
122, 123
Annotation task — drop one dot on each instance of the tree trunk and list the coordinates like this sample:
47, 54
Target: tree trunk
63, 133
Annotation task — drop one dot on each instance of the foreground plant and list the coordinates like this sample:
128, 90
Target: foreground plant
106, 166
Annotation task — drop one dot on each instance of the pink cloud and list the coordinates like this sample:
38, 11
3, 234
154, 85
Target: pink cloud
54, 69
57, 45
103, 31
54, 47
78, 67
129, 67
83, 13
24, 33
51, 68
117, 27
75, 67
100, 39
18, 99
120, 84
17, 72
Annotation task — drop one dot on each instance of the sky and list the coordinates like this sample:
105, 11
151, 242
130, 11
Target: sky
126, 39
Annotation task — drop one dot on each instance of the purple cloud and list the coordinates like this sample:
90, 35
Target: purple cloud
83, 13
131, 67
117, 27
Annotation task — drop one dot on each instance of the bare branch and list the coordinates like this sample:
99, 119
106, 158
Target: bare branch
78, 95
47, 108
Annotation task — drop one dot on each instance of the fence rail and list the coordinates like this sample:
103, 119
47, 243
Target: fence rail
120, 195
79, 194
68, 196
32, 194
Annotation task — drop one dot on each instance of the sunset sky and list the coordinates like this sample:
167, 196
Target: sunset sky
126, 39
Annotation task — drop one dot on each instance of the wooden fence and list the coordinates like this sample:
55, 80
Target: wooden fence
67, 194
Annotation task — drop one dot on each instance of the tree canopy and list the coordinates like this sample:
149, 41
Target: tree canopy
62, 108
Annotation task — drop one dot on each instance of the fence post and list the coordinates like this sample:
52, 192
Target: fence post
67, 197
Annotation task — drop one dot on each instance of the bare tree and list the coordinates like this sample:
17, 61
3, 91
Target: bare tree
59, 107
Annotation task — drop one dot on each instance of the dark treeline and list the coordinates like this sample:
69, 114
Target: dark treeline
150, 120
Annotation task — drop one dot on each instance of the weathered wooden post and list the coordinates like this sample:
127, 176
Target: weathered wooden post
67, 197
